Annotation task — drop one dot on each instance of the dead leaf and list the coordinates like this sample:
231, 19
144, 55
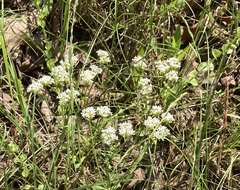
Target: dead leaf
46, 111
7, 101
139, 175
16, 27
228, 80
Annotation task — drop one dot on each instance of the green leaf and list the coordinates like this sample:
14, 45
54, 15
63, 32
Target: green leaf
238, 32
193, 82
205, 66
141, 52
216, 53
13, 147
98, 187
176, 42
25, 172
192, 78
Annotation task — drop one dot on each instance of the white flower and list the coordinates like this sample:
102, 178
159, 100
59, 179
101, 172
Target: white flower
172, 76
86, 77
139, 62
66, 96
145, 86
161, 133
103, 56
162, 66
36, 87
67, 63
152, 122
104, 111
167, 117
60, 74
88, 113
63, 97
174, 63
126, 129
96, 69
166, 65
109, 135
156, 110
144, 81
147, 89
46, 80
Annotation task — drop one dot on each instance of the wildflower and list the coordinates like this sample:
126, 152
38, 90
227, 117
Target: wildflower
36, 87
144, 81
126, 129
86, 77
156, 110
174, 63
147, 89
172, 76
68, 62
96, 69
139, 62
60, 74
66, 96
152, 122
162, 66
167, 117
104, 111
46, 80
145, 85
103, 56
161, 133
88, 113
109, 135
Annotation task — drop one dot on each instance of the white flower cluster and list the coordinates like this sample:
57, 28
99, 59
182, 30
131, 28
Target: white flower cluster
37, 86
66, 96
169, 68
126, 129
46, 80
156, 110
174, 63
152, 122
90, 112
145, 86
161, 133
96, 69
104, 111
162, 66
139, 62
172, 76
60, 74
155, 127
87, 76
167, 117
68, 62
103, 56
109, 135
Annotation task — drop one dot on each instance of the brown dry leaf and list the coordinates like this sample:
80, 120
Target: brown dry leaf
228, 80
139, 175
94, 93
7, 101
46, 111
15, 28
5, 163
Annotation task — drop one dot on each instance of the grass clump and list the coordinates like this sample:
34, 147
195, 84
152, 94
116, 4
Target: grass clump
121, 95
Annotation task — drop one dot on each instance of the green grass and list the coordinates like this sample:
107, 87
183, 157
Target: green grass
57, 147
